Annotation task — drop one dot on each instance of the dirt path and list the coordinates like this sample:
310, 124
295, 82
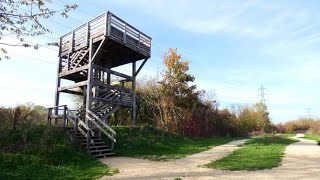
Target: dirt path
302, 161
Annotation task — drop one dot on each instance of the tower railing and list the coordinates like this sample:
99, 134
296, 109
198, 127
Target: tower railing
109, 25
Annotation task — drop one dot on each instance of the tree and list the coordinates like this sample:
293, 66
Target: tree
176, 80
22, 18
263, 116
177, 92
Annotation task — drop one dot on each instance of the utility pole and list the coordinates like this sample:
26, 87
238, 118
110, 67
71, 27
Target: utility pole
309, 113
262, 94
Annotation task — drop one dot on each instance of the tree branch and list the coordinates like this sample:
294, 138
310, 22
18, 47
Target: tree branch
30, 16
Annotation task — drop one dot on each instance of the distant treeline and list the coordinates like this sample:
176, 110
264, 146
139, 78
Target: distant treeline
308, 125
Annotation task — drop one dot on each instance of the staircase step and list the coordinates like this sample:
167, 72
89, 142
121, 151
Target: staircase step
95, 143
104, 155
100, 151
98, 147
92, 137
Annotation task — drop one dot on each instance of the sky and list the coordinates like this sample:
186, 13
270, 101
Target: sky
233, 48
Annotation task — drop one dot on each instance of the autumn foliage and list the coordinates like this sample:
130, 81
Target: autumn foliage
173, 103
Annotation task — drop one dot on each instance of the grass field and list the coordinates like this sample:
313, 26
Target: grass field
259, 153
154, 144
312, 137
46, 155
287, 135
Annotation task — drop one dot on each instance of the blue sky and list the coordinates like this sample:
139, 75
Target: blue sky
233, 47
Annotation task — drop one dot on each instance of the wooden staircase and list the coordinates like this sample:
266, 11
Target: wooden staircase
98, 148
86, 128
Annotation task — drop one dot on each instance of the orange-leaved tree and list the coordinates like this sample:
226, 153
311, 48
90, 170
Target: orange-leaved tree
177, 92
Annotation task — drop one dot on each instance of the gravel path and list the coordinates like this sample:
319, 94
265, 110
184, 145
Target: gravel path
301, 161
133, 168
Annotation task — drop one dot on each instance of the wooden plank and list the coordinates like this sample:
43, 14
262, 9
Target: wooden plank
112, 72
111, 112
79, 84
118, 103
65, 73
72, 92
97, 83
80, 46
98, 38
114, 16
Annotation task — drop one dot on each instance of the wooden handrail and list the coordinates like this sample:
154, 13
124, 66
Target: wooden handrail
101, 129
101, 122
79, 121
56, 106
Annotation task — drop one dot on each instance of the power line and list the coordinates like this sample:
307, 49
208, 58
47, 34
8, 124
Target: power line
32, 58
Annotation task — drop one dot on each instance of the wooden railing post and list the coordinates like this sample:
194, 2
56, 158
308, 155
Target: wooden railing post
125, 34
64, 115
121, 93
75, 130
72, 41
139, 38
49, 116
88, 34
68, 61
112, 143
109, 23
106, 24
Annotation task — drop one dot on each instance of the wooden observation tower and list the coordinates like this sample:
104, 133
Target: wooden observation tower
87, 55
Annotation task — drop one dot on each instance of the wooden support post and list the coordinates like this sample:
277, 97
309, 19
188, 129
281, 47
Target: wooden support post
108, 75
57, 95
75, 130
89, 90
72, 41
112, 143
84, 97
49, 116
134, 108
68, 62
65, 116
